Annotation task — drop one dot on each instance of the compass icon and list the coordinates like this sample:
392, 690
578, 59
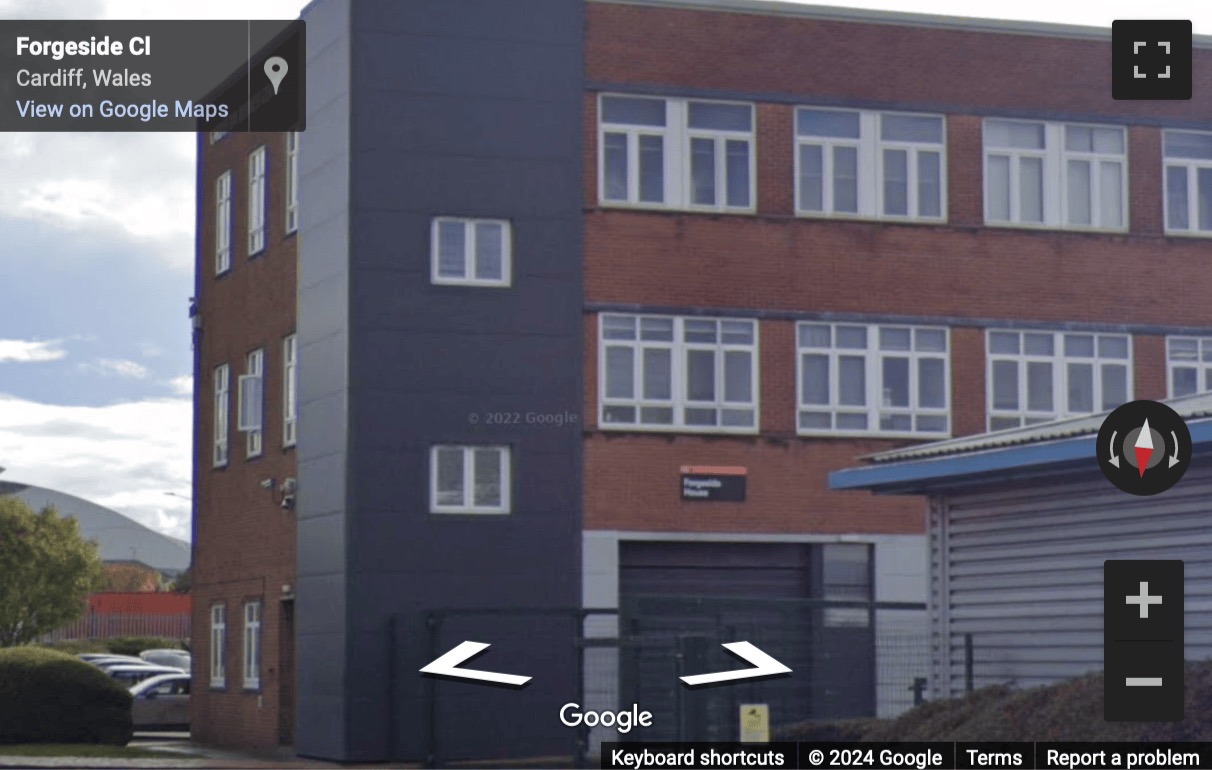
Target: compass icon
1144, 447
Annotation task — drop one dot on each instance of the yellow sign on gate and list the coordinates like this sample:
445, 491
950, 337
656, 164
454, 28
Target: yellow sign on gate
755, 723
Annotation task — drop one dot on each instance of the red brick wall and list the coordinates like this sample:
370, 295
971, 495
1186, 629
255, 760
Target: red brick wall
244, 542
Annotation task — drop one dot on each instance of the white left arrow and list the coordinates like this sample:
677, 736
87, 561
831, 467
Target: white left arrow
763, 665
448, 665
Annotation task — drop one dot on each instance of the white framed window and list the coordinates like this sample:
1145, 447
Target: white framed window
676, 153
1056, 175
222, 405
1037, 377
223, 223
256, 201
1188, 365
873, 379
290, 390
252, 645
678, 374
1188, 182
218, 645
873, 165
292, 182
471, 252
251, 405
469, 479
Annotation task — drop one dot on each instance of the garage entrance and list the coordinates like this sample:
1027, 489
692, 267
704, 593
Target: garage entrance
808, 605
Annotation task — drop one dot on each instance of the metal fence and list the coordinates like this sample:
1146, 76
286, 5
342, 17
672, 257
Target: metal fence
107, 626
848, 659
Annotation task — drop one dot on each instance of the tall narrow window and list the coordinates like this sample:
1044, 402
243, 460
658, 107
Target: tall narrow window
222, 402
290, 389
218, 645
256, 201
251, 406
223, 223
252, 645
292, 181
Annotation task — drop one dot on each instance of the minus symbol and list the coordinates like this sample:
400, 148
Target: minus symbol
1143, 681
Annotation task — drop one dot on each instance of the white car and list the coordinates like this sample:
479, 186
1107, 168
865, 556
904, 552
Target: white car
133, 674
161, 702
176, 658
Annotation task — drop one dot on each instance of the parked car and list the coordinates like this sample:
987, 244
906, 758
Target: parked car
132, 675
177, 658
110, 660
161, 702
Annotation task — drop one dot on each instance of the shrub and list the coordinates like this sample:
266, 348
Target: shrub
77, 646
133, 645
48, 696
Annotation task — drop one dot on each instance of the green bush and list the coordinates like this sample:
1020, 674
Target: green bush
133, 645
77, 646
48, 696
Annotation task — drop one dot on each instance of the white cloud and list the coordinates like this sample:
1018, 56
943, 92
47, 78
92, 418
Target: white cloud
29, 351
183, 385
116, 367
124, 456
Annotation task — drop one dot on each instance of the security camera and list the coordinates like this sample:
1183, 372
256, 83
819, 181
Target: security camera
289, 485
267, 484
288, 502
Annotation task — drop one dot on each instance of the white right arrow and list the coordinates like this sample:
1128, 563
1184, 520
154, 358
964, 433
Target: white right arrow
448, 665
763, 665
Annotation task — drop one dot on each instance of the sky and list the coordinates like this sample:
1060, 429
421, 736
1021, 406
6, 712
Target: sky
96, 260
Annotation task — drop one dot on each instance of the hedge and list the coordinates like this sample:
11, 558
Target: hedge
48, 696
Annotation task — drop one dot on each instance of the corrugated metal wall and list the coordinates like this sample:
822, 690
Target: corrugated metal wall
1020, 568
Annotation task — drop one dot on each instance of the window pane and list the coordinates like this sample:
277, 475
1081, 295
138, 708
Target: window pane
1115, 385
1003, 342
700, 416
895, 382
896, 182
931, 384
1002, 423
1001, 133
1111, 194
827, 123
997, 188
737, 153
700, 375
738, 376
1186, 380
1079, 192
1079, 345
487, 471
450, 477
1039, 386
852, 421
1182, 144
930, 340
1005, 385
911, 128
618, 414
652, 169
724, 117
658, 375
852, 337
894, 339
1039, 344
812, 179
1113, 347
490, 251
1081, 388
620, 372
1177, 217
736, 332
852, 381
814, 335
929, 184
1183, 349
633, 111
845, 179
614, 166
699, 330
452, 244
660, 329
1031, 189
1079, 139
1109, 140
1204, 203
702, 171
815, 386
618, 327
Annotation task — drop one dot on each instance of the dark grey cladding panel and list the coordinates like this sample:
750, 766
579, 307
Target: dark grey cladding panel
537, 21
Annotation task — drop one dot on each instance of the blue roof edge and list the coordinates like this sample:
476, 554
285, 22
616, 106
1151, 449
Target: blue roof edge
923, 476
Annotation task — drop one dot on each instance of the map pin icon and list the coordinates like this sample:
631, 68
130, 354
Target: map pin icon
275, 69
